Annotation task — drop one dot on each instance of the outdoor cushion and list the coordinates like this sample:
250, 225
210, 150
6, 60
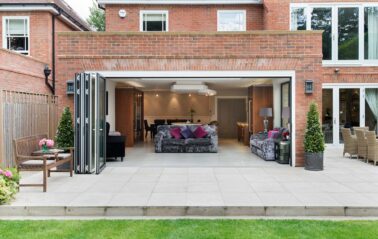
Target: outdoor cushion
199, 141
200, 132
37, 162
176, 133
187, 133
64, 156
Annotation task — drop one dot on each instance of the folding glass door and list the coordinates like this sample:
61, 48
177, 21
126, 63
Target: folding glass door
90, 123
348, 106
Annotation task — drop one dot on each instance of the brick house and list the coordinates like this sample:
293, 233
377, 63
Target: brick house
274, 54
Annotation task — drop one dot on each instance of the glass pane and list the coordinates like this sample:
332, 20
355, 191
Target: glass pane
371, 107
371, 33
321, 19
18, 43
349, 109
298, 19
102, 124
348, 33
154, 22
17, 27
154, 17
327, 115
231, 21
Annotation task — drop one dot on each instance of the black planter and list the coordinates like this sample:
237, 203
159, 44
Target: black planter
314, 161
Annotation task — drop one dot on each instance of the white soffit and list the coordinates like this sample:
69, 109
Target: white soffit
193, 2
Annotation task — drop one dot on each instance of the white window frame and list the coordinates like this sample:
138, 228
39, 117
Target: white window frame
244, 12
335, 6
142, 12
5, 40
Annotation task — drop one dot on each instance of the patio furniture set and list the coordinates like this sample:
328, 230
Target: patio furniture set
363, 144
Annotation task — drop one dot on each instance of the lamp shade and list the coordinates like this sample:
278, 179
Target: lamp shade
266, 112
286, 113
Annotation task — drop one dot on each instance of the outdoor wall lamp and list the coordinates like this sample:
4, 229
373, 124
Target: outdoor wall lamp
309, 86
47, 72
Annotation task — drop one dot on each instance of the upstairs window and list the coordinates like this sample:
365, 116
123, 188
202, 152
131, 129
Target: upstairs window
16, 34
298, 19
232, 20
154, 21
371, 33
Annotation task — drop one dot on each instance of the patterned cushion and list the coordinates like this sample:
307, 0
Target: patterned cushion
200, 132
174, 142
200, 141
187, 133
176, 133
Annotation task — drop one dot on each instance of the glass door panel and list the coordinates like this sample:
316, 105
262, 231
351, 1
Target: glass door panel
101, 123
327, 115
349, 109
348, 30
371, 108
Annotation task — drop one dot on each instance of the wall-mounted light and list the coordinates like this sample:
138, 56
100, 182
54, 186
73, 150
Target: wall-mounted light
157, 95
122, 13
309, 86
337, 70
70, 87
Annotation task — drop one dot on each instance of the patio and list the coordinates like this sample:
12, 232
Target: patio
232, 182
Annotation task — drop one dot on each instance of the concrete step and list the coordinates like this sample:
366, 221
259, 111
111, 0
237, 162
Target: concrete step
162, 211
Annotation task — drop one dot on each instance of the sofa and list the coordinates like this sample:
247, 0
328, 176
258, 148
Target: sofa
166, 143
262, 144
115, 144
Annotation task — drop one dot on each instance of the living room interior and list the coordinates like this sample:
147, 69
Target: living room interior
235, 107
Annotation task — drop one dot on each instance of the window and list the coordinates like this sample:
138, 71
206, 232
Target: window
16, 34
154, 21
371, 33
350, 31
231, 20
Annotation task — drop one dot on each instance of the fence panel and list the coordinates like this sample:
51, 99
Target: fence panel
24, 114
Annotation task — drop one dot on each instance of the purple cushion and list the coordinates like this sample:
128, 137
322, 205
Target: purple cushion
176, 133
200, 132
271, 133
187, 133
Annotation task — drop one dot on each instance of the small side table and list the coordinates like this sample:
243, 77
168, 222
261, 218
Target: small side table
283, 152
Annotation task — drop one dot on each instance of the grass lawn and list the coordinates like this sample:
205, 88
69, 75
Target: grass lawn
178, 229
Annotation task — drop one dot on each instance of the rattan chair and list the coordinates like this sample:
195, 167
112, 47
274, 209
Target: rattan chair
361, 143
372, 143
350, 143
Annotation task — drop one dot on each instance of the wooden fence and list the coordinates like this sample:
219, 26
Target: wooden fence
24, 114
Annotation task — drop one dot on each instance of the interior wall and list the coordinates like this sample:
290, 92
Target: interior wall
226, 93
110, 118
168, 105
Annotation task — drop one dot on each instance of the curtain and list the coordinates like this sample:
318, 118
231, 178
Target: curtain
373, 33
372, 100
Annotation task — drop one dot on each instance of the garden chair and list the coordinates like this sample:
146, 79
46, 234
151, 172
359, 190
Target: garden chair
350, 143
361, 143
372, 143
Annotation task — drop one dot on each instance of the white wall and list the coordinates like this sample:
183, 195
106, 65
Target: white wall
110, 118
277, 101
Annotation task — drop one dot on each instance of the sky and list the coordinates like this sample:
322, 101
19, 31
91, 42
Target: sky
81, 6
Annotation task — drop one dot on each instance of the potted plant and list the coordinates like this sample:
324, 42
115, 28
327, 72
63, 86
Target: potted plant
9, 184
314, 141
64, 138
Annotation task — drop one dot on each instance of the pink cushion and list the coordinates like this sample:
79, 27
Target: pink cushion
271, 133
200, 132
176, 133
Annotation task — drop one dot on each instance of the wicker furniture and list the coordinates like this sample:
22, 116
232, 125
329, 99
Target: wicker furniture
350, 143
361, 143
372, 143
25, 161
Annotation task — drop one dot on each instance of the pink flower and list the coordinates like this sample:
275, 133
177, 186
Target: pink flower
42, 142
1, 171
8, 174
50, 143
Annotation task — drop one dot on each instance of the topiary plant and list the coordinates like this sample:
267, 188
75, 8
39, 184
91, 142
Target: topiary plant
65, 133
314, 139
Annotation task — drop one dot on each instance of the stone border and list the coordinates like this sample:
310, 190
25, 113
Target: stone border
184, 211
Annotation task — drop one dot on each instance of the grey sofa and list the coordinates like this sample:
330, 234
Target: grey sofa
263, 146
165, 143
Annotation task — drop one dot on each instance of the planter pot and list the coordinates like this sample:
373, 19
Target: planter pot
314, 161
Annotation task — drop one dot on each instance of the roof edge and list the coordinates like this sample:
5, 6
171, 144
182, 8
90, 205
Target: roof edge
179, 2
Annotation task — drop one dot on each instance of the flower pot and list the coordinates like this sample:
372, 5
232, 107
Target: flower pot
314, 161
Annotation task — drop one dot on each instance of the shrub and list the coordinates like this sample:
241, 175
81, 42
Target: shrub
9, 183
65, 133
314, 139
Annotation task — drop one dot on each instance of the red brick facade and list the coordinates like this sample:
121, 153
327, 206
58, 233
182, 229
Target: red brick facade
182, 18
252, 51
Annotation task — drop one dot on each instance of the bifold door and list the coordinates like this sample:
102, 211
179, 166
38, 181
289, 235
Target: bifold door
90, 123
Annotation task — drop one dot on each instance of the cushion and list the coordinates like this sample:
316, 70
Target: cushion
176, 133
179, 142
271, 132
37, 162
200, 132
199, 141
187, 133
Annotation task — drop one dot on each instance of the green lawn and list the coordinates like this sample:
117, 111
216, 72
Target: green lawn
178, 229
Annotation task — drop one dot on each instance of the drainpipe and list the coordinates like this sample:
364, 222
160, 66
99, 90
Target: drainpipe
52, 86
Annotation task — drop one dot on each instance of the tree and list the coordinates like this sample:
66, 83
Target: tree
97, 18
314, 140
65, 133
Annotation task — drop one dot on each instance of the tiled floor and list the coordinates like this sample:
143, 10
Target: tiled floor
233, 177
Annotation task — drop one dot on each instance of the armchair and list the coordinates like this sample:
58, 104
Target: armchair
115, 145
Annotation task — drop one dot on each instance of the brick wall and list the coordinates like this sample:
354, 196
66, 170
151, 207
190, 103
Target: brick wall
298, 51
21, 73
182, 18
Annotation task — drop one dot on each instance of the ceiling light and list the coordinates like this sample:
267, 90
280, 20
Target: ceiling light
180, 88
207, 92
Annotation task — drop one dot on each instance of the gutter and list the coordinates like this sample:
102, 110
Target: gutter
43, 6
